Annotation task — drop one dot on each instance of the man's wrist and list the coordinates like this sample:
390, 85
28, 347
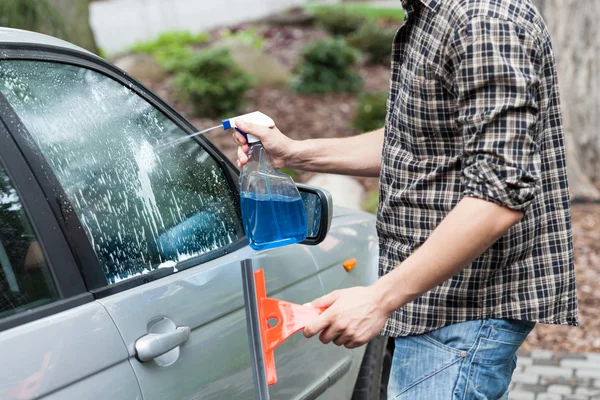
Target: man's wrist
391, 293
299, 156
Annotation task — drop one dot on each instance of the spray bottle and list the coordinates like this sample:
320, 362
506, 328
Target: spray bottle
272, 210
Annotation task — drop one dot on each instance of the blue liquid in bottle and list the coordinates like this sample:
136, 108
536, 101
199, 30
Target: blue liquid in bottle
273, 220
272, 209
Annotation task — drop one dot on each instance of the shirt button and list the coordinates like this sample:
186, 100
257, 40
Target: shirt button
463, 354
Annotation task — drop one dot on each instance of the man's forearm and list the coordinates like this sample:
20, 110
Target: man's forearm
358, 155
468, 230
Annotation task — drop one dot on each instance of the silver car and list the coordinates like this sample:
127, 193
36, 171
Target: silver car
108, 236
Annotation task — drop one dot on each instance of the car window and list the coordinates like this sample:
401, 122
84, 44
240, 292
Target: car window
25, 281
142, 204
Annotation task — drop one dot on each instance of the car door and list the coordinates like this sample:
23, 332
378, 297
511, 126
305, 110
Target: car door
48, 320
157, 230
352, 237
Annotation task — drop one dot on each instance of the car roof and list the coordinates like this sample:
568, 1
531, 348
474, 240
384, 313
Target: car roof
10, 35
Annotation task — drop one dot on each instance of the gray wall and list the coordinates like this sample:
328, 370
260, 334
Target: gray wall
117, 24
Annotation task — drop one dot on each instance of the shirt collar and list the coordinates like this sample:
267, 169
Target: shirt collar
433, 5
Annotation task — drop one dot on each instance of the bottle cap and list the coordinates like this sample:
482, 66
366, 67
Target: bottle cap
256, 118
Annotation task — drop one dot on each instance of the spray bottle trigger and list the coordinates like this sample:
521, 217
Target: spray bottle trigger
244, 134
250, 139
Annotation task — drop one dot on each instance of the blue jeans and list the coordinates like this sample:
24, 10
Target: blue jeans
465, 361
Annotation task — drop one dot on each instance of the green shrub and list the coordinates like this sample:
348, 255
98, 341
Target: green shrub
371, 203
327, 66
395, 14
34, 15
292, 173
373, 40
371, 111
248, 36
102, 53
212, 83
173, 58
338, 20
170, 39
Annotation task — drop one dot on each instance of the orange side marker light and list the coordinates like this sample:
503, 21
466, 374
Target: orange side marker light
350, 264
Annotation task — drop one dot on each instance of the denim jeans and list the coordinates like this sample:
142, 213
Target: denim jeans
464, 361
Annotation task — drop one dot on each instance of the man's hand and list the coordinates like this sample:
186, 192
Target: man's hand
354, 316
276, 143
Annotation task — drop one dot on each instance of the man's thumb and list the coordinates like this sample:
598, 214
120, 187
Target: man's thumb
248, 127
326, 301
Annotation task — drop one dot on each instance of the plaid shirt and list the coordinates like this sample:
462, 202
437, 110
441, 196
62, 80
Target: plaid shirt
474, 111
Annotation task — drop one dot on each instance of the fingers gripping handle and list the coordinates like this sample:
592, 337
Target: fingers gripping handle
290, 317
256, 118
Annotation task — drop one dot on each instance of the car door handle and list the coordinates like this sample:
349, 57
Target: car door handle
155, 345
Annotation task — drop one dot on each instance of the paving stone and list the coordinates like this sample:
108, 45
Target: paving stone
579, 364
556, 380
523, 353
524, 361
549, 396
549, 370
546, 361
597, 383
560, 389
520, 395
576, 397
528, 387
588, 372
572, 382
541, 354
571, 356
525, 378
593, 357
587, 391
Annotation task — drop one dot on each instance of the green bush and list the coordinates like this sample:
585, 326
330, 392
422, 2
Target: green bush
169, 40
371, 203
338, 20
33, 15
327, 66
292, 173
367, 11
173, 58
373, 40
372, 107
212, 83
248, 36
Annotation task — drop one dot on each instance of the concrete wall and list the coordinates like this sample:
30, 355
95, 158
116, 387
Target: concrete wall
117, 24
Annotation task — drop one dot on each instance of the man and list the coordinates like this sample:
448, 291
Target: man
474, 219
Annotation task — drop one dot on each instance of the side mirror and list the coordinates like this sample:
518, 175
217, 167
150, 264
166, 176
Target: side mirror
319, 211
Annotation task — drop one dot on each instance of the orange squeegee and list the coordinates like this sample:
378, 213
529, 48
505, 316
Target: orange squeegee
263, 338
290, 317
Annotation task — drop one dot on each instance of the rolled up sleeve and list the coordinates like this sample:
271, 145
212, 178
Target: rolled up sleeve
496, 84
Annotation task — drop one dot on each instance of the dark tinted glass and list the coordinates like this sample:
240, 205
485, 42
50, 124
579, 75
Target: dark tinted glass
25, 281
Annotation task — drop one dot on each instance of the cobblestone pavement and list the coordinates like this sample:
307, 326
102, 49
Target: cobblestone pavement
545, 375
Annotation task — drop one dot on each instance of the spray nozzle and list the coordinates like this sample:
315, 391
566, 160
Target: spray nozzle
256, 117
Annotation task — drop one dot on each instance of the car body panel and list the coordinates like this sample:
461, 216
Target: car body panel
208, 299
18, 36
46, 357
352, 235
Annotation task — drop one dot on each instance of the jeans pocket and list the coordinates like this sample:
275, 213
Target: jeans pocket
504, 339
492, 369
420, 366
491, 351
